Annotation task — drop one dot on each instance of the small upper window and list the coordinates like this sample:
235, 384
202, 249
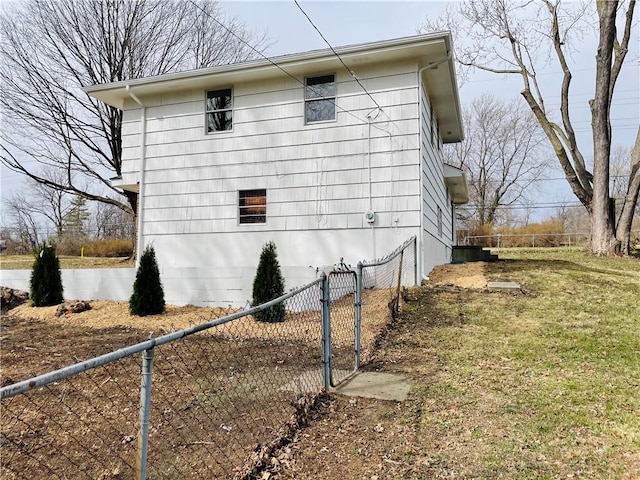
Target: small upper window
320, 99
219, 110
252, 205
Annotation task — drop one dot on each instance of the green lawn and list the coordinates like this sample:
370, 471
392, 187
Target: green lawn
540, 385
25, 262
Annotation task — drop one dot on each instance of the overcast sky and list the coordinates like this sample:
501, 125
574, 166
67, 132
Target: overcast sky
345, 23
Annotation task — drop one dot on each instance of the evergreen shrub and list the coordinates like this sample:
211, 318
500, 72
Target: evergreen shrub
148, 296
46, 280
268, 284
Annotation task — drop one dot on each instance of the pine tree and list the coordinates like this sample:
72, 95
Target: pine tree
75, 219
268, 284
46, 280
148, 296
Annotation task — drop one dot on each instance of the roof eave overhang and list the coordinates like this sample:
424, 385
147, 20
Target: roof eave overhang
440, 80
456, 182
116, 182
427, 49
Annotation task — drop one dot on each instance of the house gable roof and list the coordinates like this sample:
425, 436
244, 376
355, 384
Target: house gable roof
433, 52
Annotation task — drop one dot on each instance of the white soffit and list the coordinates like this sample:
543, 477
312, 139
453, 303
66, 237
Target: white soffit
456, 182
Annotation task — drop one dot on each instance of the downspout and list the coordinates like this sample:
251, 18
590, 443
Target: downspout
421, 274
143, 151
419, 240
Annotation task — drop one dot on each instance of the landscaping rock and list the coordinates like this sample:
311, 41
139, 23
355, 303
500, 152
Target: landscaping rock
68, 308
11, 298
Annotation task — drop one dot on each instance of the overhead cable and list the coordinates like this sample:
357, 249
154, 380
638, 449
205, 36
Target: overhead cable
337, 55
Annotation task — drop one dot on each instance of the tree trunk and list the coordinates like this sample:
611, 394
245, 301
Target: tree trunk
603, 235
631, 200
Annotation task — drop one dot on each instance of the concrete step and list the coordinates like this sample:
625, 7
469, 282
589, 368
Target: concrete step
472, 253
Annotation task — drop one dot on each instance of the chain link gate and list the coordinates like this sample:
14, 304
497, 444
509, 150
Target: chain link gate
341, 325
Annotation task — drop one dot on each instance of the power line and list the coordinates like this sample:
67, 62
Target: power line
302, 83
337, 55
269, 59
380, 109
557, 179
522, 206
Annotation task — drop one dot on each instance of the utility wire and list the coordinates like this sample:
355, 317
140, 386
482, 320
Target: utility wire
354, 77
337, 55
269, 59
302, 83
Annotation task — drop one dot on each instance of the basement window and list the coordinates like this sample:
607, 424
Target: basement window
252, 206
320, 99
219, 110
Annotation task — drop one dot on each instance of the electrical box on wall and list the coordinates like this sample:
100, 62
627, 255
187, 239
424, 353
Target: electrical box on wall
370, 216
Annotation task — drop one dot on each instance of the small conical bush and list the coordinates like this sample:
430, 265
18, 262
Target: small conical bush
268, 284
148, 296
46, 280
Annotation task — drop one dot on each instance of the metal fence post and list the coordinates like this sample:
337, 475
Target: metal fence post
358, 314
396, 299
145, 407
326, 330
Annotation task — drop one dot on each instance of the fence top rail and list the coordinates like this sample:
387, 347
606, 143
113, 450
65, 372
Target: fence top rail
539, 234
54, 376
391, 256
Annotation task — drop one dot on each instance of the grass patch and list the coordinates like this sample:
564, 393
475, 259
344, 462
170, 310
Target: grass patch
543, 385
25, 262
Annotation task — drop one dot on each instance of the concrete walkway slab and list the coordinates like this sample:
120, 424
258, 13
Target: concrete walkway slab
503, 286
383, 386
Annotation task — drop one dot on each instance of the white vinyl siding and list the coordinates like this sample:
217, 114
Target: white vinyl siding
437, 212
316, 175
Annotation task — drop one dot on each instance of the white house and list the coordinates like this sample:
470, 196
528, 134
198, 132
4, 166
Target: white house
328, 162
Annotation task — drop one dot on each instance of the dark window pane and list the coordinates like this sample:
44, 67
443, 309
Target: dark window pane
318, 87
253, 219
219, 121
219, 100
320, 110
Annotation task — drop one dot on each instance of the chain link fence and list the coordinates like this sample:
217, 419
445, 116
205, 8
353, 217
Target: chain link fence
211, 401
380, 292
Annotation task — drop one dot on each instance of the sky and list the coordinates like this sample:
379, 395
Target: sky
347, 22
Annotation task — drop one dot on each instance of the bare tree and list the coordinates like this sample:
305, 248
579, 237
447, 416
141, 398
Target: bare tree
502, 153
519, 38
51, 48
39, 209
24, 221
629, 206
107, 221
619, 171
47, 202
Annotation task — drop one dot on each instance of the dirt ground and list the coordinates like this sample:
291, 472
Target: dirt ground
350, 438
369, 439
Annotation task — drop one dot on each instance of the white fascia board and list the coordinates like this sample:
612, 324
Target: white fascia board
417, 46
